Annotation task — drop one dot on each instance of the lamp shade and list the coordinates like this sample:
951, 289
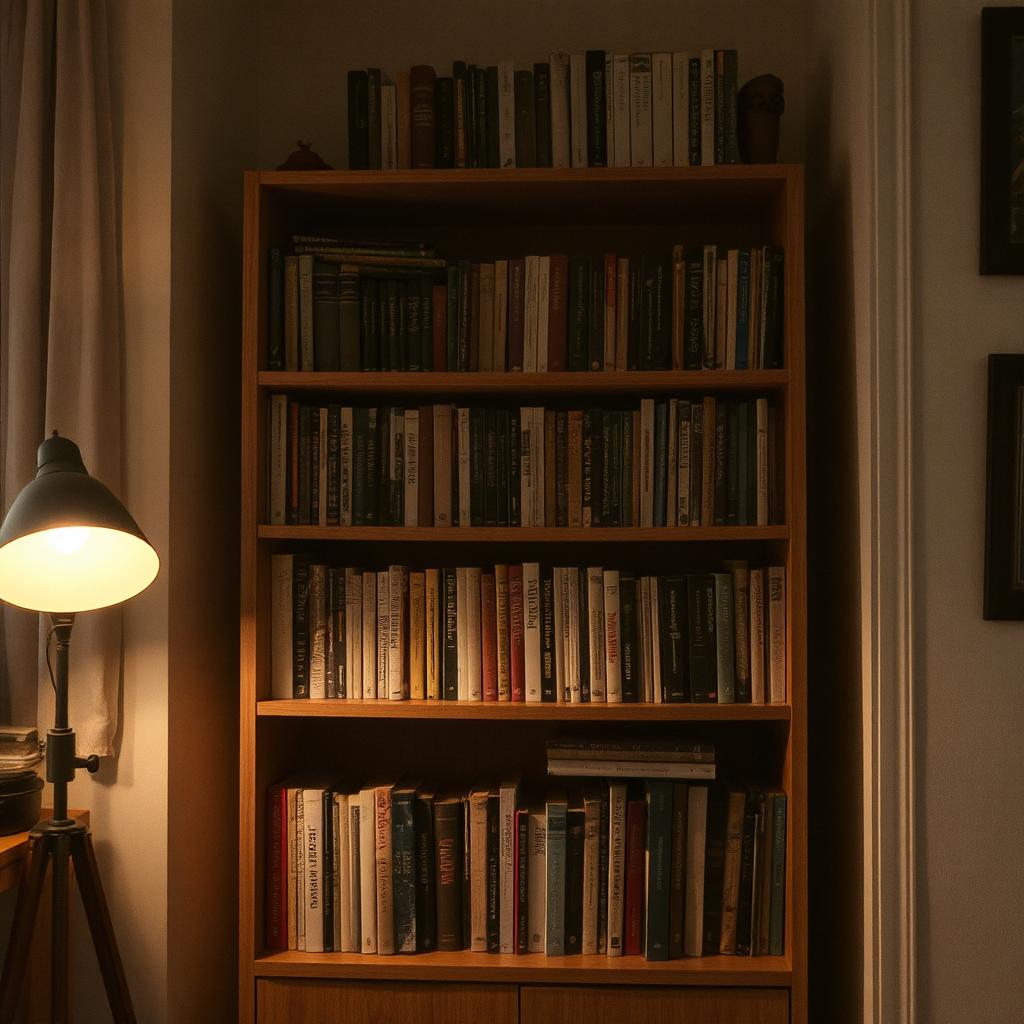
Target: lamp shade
67, 544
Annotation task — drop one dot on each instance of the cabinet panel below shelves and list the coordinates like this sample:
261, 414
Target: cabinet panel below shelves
302, 1001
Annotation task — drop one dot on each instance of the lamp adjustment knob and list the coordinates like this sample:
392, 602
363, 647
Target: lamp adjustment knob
91, 763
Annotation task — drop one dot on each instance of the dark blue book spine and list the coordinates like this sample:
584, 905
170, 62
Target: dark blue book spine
658, 882
403, 870
776, 935
426, 888
574, 828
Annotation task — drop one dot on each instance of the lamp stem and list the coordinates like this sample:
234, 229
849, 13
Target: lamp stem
60, 746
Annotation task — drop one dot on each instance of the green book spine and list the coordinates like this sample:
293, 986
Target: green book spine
658, 794
776, 939
358, 121
493, 147
373, 116
724, 642
275, 311
326, 317
526, 130
403, 869
678, 871
579, 312
542, 113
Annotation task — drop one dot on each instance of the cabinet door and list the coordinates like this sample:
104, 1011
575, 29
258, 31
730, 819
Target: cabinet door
601, 1005
308, 1001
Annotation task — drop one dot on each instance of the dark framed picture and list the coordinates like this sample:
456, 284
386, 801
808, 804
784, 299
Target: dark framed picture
1002, 140
1004, 492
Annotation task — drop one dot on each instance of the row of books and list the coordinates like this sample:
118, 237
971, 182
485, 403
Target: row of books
697, 461
660, 869
527, 632
592, 109
337, 306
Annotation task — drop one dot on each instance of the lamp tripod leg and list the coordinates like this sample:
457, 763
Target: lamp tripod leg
25, 913
87, 875
59, 957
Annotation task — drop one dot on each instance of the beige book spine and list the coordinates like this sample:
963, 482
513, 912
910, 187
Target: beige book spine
474, 661
432, 627
591, 873
291, 832
757, 623
417, 636
465, 489
478, 870
776, 581
731, 871
383, 623
383, 857
367, 871
354, 633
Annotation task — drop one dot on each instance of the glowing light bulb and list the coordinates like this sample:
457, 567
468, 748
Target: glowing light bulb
68, 539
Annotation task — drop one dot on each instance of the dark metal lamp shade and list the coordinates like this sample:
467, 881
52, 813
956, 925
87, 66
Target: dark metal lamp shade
67, 544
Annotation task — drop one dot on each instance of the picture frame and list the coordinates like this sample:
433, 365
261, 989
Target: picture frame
1002, 141
1004, 492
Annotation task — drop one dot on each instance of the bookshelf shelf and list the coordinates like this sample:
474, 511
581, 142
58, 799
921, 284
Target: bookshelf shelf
473, 711
526, 534
634, 382
480, 215
534, 967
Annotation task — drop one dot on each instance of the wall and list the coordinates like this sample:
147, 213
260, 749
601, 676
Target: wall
970, 701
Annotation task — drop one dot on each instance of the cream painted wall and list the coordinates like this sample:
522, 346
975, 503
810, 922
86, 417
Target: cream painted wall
970, 672
307, 46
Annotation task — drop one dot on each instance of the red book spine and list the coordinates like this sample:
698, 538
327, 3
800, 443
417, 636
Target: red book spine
489, 639
636, 827
421, 115
516, 312
277, 868
516, 652
439, 309
557, 296
293, 462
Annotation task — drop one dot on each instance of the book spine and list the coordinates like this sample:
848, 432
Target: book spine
620, 95
369, 635
358, 121
506, 115
591, 873
636, 828
506, 887
696, 838
383, 621
616, 867
478, 871
640, 123
388, 126
313, 905
521, 922
367, 873
281, 618
403, 846
474, 682
383, 861
757, 636
493, 874
374, 116
555, 842
776, 935
525, 117
489, 639
398, 633
444, 122
776, 584
719, 106
417, 627
537, 881
731, 872
573, 896
746, 884
714, 866
275, 310
724, 638
448, 853
425, 904
658, 867
542, 114
531, 633
560, 115
596, 109
661, 109
403, 119
578, 109
680, 109
460, 95
516, 314
677, 869
276, 934
707, 107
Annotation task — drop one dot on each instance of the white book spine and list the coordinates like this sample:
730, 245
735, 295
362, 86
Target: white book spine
757, 690
683, 474
776, 581
465, 489
561, 635
388, 127
345, 452
474, 685
530, 288
383, 625
281, 627
499, 344
313, 908
383, 860
369, 660
620, 105
641, 142
462, 629
278, 458
595, 633
616, 867
343, 935
354, 889
672, 476
367, 871
707, 107
412, 466
560, 131
609, 108
506, 867
661, 108
506, 114
398, 631
532, 630
680, 109
612, 652
591, 874
537, 892
543, 298
525, 467
578, 108
647, 462
761, 477
501, 614
317, 618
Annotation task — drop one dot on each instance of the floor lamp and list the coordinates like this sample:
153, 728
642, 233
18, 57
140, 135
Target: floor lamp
67, 545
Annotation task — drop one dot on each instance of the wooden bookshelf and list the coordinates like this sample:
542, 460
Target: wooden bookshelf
583, 210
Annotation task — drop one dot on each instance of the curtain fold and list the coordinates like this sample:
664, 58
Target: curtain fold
60, 316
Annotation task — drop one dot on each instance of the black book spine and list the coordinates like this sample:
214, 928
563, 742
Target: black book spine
548, 673
745, 903
374, 119
693, 319
597, 134
648, 281
595, 349
677, 887
493, 148
721, 455
467, 926
477, 457
358, 121
542, 115
574, 835
515, 469
393, 343
327, 869
584, 635
333, 465
451, 636
444, 122
300, 627
522, 883
373, 463
448, 874
659, 853
579, 312
462, 329
275, 311
385, 466
660, 461
634, 342
471, 101
305, 463
360, 433
613, 482
732, 139
403, 870
628, 647
626, 477
672, 613
426, 883
490, 467
526, 130
696, 465
503, 467
661, 311
493, 860
714, 867
700, 600
732, 465
694, 94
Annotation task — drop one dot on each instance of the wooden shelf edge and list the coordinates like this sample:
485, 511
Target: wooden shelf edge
615, 382
502, 711
577, 970
526, 534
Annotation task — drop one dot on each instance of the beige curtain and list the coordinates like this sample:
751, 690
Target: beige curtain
60, 317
